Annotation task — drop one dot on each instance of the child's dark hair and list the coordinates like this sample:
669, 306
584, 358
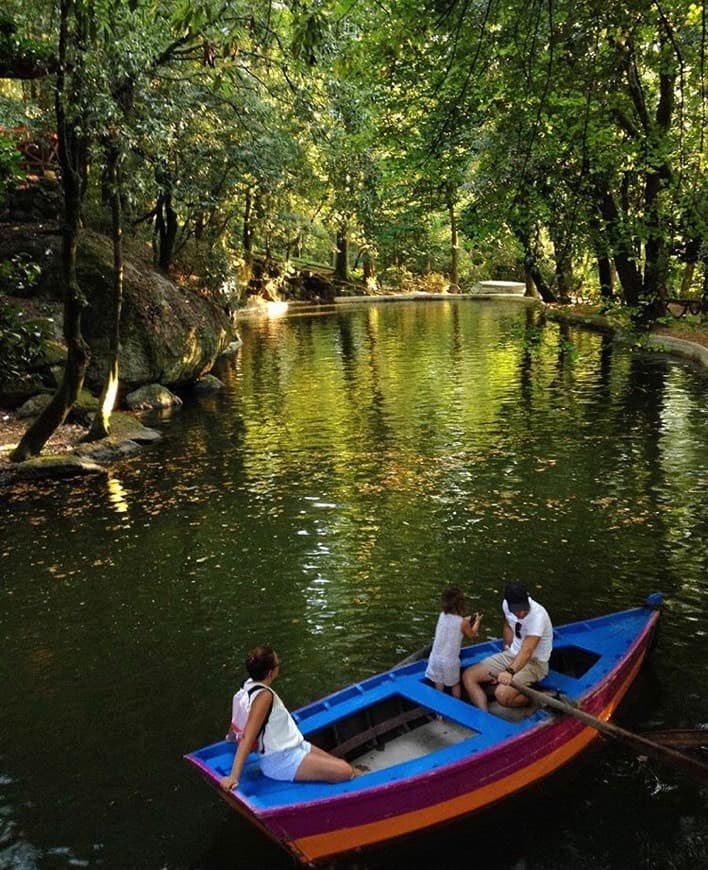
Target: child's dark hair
260, 662
453, 600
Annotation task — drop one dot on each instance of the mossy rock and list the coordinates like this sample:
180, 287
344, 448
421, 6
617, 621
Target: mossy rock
151, 397
208, 384
57, 467
34, 406
128, 427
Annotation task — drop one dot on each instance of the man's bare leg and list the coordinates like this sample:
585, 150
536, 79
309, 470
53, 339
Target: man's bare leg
473, 679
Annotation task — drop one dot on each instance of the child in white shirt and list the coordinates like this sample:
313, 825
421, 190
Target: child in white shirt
444, 663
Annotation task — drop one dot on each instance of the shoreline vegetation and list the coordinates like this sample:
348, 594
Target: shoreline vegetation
679, 338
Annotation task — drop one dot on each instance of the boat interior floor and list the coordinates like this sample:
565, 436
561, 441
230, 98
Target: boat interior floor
416, 743
512, 714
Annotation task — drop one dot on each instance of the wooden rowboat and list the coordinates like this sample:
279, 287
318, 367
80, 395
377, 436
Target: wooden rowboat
431, 757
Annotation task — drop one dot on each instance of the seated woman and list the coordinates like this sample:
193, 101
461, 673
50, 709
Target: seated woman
283, 752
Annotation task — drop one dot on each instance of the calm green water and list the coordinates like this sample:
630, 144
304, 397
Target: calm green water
356, 463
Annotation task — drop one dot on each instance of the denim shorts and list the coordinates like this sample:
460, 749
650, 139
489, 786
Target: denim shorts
283, 765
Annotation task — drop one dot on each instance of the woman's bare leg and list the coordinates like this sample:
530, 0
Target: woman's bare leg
320, 766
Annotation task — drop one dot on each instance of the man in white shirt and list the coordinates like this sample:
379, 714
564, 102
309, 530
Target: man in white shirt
528, 640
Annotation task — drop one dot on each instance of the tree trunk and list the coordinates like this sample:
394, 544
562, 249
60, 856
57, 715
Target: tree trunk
603, 253
656, 275
563, 266
604, 268
687, 279
341, 255
656, 272
248, 224
454, 246
72, 157
524, 233
369, 267
630, 277
165, 232
100, 425
539, 281
531, 290
656, 268
652, 290
166, 227
533, 273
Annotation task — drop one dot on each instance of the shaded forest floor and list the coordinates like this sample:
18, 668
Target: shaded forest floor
12, 429
696, 334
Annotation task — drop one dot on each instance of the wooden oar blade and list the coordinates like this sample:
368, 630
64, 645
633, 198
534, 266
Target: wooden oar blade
692, 766
680, 738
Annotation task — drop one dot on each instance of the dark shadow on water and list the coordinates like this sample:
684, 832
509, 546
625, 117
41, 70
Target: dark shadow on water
236, 845
501, 838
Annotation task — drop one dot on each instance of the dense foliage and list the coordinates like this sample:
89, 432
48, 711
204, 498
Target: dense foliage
563, 142
21, 342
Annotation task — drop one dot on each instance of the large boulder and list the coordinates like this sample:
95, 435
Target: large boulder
169, 334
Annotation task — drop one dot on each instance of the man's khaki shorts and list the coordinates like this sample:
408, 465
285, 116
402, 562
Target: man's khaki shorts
532, 672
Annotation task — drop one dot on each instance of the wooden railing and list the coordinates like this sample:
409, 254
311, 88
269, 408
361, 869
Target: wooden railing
681, 307
39, 151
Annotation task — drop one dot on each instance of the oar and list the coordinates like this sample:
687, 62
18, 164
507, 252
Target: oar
641, 744
680, 738
416, 656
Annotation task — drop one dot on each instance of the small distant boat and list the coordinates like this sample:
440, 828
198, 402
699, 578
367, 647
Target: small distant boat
431, 757
499, 288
